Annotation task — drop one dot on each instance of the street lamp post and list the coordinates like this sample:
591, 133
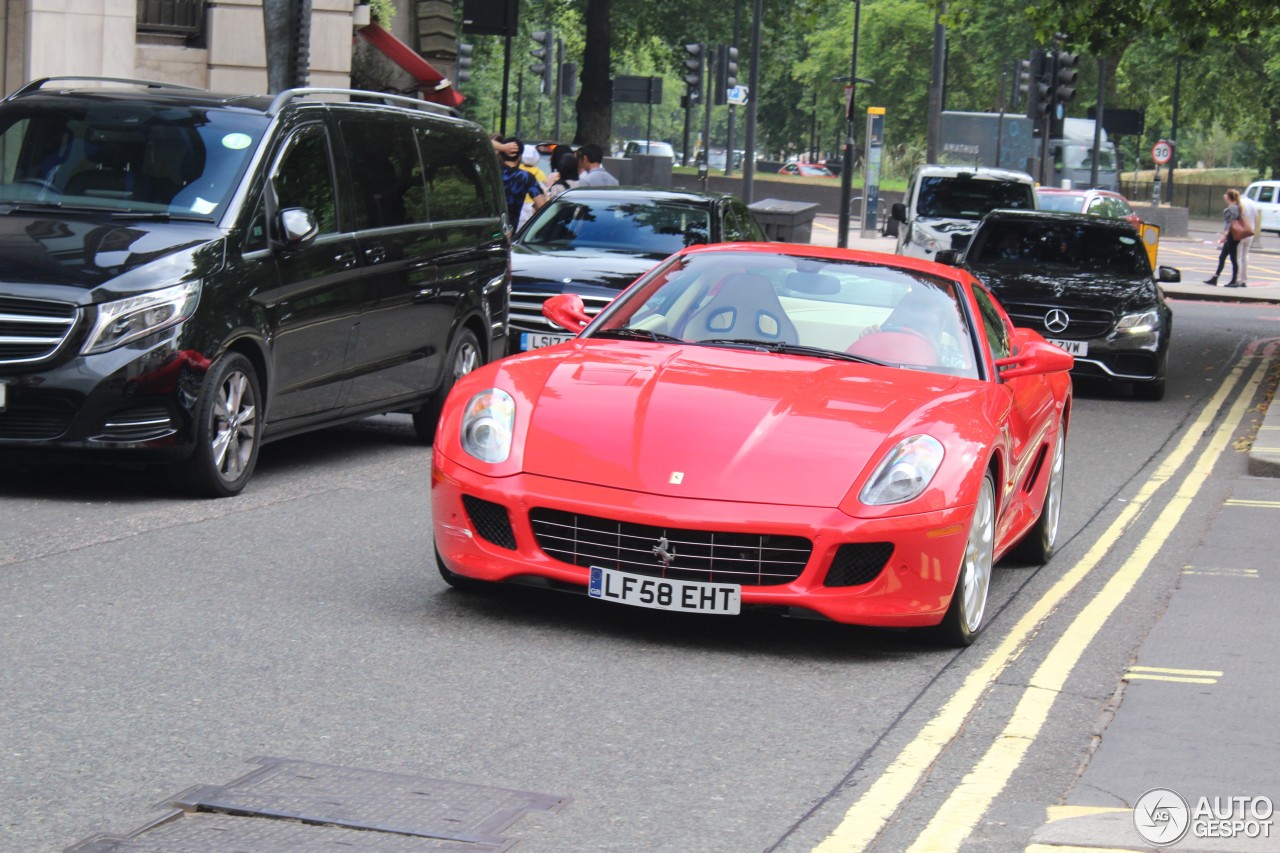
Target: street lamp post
846, 165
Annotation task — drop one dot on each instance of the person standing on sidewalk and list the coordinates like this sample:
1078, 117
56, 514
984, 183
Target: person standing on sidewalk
1228, 241
591, 170
1249, 211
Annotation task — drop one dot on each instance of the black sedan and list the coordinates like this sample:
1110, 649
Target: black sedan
1086, 284
596, 241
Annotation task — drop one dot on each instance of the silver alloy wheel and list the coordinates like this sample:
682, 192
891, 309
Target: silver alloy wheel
235, 426
975, 574
1053, 491
466, 359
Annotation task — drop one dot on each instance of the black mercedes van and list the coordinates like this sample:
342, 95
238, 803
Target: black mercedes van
185, 276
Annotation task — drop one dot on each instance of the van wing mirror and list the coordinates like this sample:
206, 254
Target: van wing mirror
298, 226
898, 211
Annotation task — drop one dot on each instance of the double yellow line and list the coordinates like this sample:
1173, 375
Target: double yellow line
955, 820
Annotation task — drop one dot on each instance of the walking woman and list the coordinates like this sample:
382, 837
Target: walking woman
1233, 231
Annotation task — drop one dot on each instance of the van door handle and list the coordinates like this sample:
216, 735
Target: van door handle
375, 253
426, 294
345, 259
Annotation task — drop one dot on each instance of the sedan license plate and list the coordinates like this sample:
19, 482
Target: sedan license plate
1073, 347
536, 340
664, 593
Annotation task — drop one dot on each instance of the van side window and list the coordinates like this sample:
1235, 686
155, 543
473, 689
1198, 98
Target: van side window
386, 174
303, 177
455, 185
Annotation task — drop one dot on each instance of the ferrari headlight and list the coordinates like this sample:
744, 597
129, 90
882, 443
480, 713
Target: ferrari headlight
487, 424
1139, 324
126, 320
904, 472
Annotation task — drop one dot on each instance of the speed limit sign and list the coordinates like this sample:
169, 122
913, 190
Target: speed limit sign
1162, 152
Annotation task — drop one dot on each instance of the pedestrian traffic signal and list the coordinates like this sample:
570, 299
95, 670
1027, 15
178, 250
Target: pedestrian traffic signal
465, 51
1065, 76
726, 72
545, 68
693, 69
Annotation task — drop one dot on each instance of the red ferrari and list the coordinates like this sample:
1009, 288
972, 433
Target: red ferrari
825, 432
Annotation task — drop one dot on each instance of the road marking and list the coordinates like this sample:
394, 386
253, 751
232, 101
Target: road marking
1182, 676
1225, 573
868, 816
1251, 503
971, 799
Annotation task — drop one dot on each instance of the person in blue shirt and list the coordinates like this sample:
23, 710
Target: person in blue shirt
516, 182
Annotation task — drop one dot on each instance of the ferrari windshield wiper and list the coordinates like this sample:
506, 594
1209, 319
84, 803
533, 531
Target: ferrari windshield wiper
636, 334
790, 349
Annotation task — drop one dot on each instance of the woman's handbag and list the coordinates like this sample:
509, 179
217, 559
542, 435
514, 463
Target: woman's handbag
1240, 230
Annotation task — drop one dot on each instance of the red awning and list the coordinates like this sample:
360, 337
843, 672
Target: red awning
434, 85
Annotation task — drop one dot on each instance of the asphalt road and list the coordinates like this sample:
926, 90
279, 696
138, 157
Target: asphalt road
153, 643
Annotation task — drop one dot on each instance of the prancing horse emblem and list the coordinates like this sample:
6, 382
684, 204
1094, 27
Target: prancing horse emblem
660, 551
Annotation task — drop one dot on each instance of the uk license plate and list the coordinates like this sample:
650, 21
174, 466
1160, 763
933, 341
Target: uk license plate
536, 340
665, 594
4, 396
1073, 347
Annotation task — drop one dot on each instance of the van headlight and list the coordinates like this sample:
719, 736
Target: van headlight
134, 317
925, 238
487, 425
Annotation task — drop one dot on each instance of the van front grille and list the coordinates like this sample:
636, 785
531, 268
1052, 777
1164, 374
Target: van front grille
32, 330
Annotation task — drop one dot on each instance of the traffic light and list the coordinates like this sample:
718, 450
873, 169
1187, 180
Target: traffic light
1026, 79
1040, 92
1064, 76
465, 51
545, 68
726, 72
693, 69
569, 79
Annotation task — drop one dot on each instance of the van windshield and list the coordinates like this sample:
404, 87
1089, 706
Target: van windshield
149, 159
971, 198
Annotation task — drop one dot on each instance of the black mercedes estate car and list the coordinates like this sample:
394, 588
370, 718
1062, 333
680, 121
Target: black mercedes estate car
1087, 285
186, 275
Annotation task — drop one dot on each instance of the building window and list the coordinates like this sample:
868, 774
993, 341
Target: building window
183, 18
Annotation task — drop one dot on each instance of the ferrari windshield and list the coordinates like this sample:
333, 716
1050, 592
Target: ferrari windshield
789, 303
642, 226
123, 157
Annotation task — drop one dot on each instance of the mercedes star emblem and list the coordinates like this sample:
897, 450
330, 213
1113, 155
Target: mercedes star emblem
1056, 320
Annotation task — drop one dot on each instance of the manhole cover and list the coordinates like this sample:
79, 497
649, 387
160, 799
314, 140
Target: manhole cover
287, 805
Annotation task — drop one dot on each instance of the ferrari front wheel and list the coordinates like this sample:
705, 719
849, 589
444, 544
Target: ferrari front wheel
964, 619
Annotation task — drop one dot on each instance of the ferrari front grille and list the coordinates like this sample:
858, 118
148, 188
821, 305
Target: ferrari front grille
32, 329
750, 559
